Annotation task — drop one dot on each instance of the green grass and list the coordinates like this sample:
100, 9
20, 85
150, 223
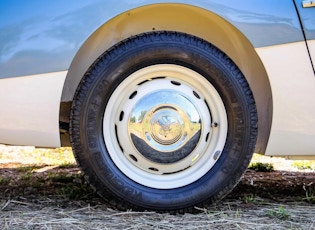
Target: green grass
309, 193
304, 165
249, 199
281, 213
261, 167
27, 169
67, 165
4, 181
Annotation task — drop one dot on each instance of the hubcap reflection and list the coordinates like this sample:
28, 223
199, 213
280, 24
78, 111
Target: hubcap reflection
165, 126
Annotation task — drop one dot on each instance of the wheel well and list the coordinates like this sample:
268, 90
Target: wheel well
182, 18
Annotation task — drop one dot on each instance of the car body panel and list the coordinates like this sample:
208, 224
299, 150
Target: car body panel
30, 109
311, 48
293, 99
308, 23
307, 19
40, 37
53, 43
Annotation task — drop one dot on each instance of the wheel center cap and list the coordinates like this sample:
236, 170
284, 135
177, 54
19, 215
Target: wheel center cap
164, 126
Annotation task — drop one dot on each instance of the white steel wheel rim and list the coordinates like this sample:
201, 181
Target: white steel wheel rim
177, 103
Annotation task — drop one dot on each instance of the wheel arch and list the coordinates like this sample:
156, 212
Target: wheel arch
210, 27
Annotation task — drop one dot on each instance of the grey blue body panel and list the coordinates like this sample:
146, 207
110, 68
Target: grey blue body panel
43, 36
307, 16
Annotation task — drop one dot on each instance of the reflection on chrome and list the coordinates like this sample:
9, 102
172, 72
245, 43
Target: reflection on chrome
164, 126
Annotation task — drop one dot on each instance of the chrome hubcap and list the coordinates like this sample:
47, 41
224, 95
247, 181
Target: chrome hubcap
165, 126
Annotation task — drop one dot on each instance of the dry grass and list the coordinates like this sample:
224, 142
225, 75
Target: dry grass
59, 212
227, 215
29, 155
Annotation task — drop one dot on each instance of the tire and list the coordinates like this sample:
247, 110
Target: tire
163, 121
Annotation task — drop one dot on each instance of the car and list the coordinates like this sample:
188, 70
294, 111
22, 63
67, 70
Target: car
163, 103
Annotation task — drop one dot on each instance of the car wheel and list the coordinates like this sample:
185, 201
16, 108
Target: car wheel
163, 121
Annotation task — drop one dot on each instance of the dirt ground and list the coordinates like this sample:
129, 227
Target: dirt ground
41, 196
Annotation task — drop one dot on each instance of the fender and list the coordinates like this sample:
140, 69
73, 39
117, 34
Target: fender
211, 27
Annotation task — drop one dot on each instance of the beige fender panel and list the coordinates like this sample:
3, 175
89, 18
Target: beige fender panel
293, 87
30, 109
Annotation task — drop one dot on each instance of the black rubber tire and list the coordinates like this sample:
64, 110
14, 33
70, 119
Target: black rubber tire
116, 64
